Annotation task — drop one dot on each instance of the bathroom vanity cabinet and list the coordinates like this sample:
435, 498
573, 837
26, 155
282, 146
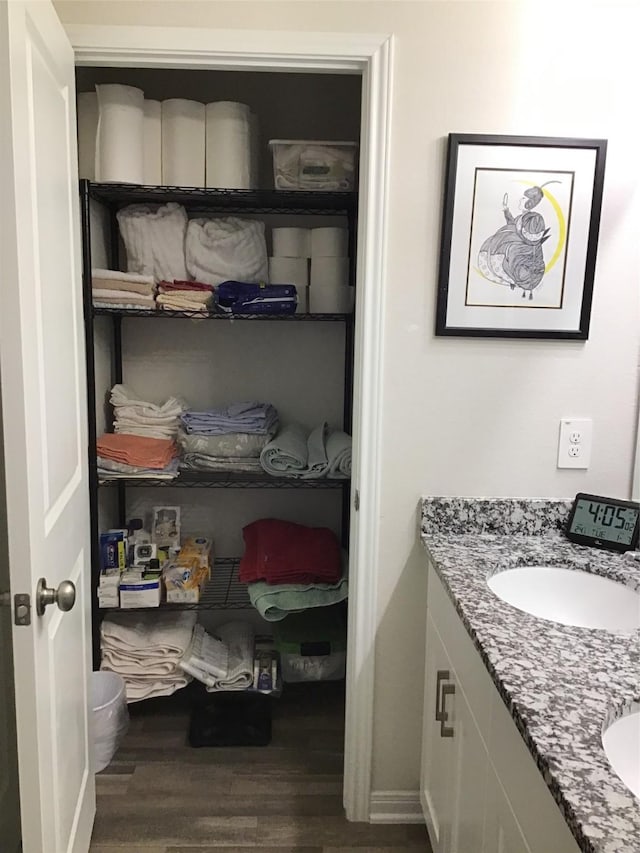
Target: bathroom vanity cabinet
480, 789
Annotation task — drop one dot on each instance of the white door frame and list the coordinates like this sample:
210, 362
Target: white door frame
370, 56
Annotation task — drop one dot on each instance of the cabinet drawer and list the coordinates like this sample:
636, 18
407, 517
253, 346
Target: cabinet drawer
471, 675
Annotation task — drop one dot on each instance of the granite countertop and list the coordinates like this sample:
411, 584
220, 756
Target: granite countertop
560, 683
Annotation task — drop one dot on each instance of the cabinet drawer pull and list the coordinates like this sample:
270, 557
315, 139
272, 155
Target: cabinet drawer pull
442, 675
446, 731
442, 691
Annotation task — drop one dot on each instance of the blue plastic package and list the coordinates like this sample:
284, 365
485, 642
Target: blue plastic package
242, 297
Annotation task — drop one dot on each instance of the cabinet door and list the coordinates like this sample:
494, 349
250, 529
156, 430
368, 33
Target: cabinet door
502, 832
439, 760
470, 778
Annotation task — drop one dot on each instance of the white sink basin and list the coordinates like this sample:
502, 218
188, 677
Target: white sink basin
569, 596
621, 743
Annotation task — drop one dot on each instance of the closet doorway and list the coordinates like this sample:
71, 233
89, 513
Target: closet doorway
368, 57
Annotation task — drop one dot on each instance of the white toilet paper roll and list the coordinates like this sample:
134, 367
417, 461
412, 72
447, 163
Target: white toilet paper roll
229, 145
183, 130
152, 142
329, 272
329, 243
87, 128
292, 271
291, 242
120, 136
289, 271
332, 299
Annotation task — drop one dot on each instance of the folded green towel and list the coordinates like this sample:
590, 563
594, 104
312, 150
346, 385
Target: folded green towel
275, 601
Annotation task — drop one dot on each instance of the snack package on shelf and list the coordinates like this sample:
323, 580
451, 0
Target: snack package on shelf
198, 548
184, 580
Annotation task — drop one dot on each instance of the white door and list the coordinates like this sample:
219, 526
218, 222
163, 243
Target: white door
44, 414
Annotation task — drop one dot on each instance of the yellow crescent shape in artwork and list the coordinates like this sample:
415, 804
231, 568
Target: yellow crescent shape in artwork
562, 226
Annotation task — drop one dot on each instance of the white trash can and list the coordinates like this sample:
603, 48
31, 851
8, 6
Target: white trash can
110, 716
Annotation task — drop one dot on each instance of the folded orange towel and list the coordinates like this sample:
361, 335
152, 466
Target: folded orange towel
137, 450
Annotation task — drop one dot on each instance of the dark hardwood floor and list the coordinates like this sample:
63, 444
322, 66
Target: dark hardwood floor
159, 795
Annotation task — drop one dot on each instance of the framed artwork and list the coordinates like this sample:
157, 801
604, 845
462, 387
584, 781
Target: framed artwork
519, 236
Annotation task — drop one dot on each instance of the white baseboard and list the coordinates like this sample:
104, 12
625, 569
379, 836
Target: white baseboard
395, 807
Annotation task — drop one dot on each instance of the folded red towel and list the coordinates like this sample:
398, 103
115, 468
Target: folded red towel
168, 286
283, 552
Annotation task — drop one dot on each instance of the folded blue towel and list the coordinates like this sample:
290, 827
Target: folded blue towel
251, 417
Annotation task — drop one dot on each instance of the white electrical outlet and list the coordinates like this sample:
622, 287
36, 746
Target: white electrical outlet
574, 445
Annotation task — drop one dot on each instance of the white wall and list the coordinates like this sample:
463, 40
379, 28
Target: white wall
464, 416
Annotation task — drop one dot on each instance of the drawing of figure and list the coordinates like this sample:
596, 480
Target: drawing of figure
513, 255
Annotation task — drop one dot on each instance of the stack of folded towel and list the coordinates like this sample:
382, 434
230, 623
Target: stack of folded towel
146, 650
114, 289
228, 439
276, 601
290, 568
298, 452
122, 455
134, 416
185, 296
281, 552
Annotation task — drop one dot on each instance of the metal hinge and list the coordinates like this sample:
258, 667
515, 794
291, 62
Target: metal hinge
356, 500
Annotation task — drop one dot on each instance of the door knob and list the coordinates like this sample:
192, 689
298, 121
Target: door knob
64, 596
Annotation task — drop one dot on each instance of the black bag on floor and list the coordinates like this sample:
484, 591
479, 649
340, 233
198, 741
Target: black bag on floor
231, 719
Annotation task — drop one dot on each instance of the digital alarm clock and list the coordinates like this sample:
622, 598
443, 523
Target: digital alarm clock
604, 522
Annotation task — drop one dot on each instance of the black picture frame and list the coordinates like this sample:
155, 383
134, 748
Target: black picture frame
497, 278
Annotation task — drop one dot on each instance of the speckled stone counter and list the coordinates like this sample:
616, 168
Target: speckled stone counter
560, 683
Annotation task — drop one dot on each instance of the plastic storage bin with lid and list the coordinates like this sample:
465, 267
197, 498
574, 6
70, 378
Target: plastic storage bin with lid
110, 716
313, 644
301, 164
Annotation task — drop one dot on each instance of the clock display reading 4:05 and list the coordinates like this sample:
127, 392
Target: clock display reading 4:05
604, 522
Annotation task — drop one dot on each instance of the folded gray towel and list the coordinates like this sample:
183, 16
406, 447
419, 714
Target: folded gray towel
339, 454
286, 454
317, 462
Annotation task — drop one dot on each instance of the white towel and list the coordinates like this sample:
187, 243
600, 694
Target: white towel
118, 275
123, 395
238, 638
154, 239
149, 634
118, 295
226, 249
139, 417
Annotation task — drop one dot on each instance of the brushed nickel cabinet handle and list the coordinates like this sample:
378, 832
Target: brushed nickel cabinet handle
446, 731
441, 675
442, 691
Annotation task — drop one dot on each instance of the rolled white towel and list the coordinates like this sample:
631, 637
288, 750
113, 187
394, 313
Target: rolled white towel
154, 239
226, 249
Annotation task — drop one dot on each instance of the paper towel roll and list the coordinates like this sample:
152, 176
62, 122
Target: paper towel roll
332, 299
329, 272
87, 128
291, 242
292, 271
152, 142
329, 243
120, 136
229, 145
183, 129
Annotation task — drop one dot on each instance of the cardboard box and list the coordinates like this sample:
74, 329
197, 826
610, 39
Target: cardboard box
140, 592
